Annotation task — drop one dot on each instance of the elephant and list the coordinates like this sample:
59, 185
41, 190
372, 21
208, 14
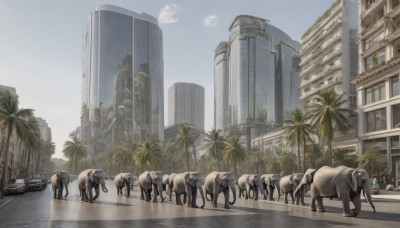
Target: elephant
217, 182
269, 183
124, 180
165, 183
341, 182
248, 182
171, 185
187, 184
288, 184
88, 179
151, 181
59, 180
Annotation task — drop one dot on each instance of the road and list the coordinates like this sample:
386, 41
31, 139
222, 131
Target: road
38, 209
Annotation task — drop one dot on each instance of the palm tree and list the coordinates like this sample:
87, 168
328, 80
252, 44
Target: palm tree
234, 151
214, 144
149, 153
297, 131
75, 150
32, 142
327, 115
14, 121
185, 139
123, 155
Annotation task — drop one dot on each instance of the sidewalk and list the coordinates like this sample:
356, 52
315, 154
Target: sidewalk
387, 195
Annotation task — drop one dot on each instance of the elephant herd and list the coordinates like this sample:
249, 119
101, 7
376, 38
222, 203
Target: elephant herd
342, 183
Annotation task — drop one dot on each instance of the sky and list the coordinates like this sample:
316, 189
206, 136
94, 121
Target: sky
41, 47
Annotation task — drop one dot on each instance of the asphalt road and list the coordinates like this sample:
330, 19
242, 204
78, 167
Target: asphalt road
38, 209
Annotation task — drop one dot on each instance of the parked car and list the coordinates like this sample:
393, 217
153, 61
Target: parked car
35, 184
15, 186
43, 178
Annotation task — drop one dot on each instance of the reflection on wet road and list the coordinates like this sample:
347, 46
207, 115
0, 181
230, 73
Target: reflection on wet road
38, 209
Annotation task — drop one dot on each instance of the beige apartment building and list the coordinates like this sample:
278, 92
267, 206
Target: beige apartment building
329, 59
378, 88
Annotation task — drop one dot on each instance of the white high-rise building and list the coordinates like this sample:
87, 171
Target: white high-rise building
186, 104
378, 87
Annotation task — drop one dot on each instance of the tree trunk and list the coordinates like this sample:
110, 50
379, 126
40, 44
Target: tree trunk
330, 153
76, 163
6, 157
187, 159
298, 153
28, 164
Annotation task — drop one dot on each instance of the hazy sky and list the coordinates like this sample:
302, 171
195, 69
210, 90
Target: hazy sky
41, 47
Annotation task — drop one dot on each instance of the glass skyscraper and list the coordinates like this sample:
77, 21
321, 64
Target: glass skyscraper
255, 74
122, 80
186, 104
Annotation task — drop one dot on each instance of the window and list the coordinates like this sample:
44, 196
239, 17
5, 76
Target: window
395, 89
369, 3
375, 120
373, 40
375, 59
396, 116
375, 93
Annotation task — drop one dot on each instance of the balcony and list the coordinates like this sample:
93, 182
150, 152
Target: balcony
304, 60
331, 55
334, 25
372, 8
394, 12
377, 70
372, 28
392, 36
333, 39
374, 48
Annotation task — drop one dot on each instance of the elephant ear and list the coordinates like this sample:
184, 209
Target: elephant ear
291, 181
352, 180
148, 177
218, 179
90, 175
187, 177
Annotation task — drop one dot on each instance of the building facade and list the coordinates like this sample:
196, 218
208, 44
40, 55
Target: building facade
329, 59
122, 80
186, 104
378, 88
255, 75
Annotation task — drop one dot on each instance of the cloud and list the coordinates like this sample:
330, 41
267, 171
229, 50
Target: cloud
210, 21
169, 14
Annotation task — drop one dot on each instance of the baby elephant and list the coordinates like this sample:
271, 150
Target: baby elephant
123, 180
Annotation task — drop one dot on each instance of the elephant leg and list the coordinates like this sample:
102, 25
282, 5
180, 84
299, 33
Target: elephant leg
184, 198
346, 206
286, 194
97, 190
141, 192
320, 205
226, 194
302, 197
155, 193
194, 197
148, 194
212, 200
312, 204
178, 199
240, 193
271, 193
89, 191
291, 195
255, 193
54, 192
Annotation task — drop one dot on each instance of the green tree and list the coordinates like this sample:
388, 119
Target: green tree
234, 151
287, 162
123, 156
148, 153
342, 157
14, 121
327, 115
315, 158
297, 131
32, 142
75, 151
371, 161
214, 144
185, 140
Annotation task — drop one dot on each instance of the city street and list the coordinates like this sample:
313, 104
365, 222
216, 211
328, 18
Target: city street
38, 209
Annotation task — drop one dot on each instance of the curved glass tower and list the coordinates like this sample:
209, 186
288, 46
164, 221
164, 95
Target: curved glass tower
122, 80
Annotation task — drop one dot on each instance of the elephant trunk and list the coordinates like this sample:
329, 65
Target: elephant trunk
103, 187
202, 196
160, 192
66, 187
367, 191
278, 190
233, 189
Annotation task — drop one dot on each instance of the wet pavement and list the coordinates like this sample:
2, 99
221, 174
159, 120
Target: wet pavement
38, 209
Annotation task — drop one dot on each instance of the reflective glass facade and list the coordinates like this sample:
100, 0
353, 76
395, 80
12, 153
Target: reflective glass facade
261, 74
122, 80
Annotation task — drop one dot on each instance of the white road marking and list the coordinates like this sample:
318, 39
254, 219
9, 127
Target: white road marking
6, 202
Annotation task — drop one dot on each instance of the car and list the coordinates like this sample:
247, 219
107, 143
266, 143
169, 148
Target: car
35, 184
15, 186
43, 178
